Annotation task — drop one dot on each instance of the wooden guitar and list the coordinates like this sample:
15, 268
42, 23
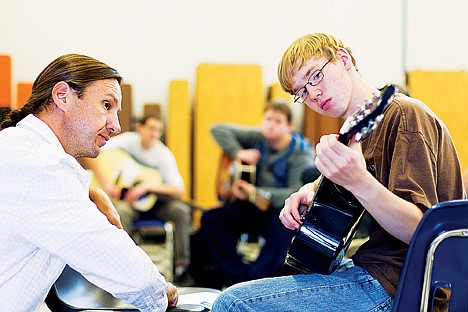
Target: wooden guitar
232, 169
117, 165
330, 222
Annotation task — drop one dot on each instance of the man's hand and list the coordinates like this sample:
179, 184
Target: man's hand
172, 296
242, 189
343, 165
104, 204
111, 190
134, 193
294, 206
249, 156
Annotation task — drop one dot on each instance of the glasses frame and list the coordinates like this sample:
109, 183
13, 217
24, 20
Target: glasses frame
301, 99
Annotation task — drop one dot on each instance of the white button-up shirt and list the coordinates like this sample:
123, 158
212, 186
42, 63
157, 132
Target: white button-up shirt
47, 221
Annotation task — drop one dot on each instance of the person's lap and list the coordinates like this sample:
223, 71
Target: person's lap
352, 289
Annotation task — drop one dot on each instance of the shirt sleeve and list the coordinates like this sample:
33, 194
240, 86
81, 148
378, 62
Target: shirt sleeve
169, 169
233, 138
69, 226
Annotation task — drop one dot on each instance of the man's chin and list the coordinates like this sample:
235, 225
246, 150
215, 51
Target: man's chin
94, 153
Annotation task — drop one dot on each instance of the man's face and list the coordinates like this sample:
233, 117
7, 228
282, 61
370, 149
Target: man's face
332, 95
275, 125
91, 120
150, 132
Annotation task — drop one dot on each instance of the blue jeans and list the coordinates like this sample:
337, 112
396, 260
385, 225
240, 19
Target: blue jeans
350, 288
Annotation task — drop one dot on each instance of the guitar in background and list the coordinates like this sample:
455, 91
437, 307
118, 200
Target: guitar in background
117, 165
330, 222
232, 169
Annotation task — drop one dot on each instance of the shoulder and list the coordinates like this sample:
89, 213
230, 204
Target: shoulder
123, 141
32, 147
161, 147
411, 115
129, 135
300, 143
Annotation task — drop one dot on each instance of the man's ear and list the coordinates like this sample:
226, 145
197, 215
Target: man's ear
60, 94
345, 58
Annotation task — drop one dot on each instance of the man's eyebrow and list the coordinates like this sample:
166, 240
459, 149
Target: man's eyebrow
115, 100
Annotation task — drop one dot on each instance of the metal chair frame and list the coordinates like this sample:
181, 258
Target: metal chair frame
143, 228
443, 228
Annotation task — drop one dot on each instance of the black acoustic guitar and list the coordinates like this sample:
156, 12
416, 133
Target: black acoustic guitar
330, 222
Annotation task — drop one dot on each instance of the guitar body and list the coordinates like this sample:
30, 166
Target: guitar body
117, 165
327, 230
230, 170
331, 221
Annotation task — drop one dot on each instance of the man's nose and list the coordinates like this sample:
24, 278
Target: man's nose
114, 125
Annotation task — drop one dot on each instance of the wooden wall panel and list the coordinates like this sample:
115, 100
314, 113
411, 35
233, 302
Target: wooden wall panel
5, 81
125, 116
275, 92
224, 93
23, 92
316, 125
179, 129
153, 109
446, 93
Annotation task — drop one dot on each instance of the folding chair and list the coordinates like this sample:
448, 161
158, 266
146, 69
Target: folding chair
437, 258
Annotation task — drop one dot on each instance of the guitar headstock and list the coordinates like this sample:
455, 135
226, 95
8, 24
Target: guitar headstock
368, 116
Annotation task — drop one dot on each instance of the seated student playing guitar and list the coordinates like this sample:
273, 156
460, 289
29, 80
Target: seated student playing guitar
280, 157
145, 147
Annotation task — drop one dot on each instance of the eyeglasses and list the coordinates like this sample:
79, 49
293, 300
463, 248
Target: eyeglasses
314, 79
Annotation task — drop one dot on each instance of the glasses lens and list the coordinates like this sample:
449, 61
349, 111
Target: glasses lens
297, 99
300, 96
316, 78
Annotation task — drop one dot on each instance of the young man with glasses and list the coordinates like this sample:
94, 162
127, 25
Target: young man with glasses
416, 167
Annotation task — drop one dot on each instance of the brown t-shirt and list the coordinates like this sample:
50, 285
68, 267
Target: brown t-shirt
415, 158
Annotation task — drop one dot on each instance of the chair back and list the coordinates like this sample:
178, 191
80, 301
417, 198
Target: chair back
437, 258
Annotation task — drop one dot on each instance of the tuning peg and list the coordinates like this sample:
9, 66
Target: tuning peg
358, 137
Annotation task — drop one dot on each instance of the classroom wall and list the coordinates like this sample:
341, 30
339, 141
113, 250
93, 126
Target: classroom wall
153, 42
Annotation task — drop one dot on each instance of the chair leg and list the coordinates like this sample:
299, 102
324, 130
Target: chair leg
169, 246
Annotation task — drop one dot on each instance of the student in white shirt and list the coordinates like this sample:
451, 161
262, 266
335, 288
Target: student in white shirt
145, 147
48, 219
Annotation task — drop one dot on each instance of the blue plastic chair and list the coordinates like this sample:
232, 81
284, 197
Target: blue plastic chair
146, 227
437, 258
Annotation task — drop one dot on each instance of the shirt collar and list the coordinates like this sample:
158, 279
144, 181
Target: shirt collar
34, 124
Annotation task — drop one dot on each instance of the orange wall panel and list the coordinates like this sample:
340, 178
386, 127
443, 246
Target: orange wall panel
5, 81
23, 92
